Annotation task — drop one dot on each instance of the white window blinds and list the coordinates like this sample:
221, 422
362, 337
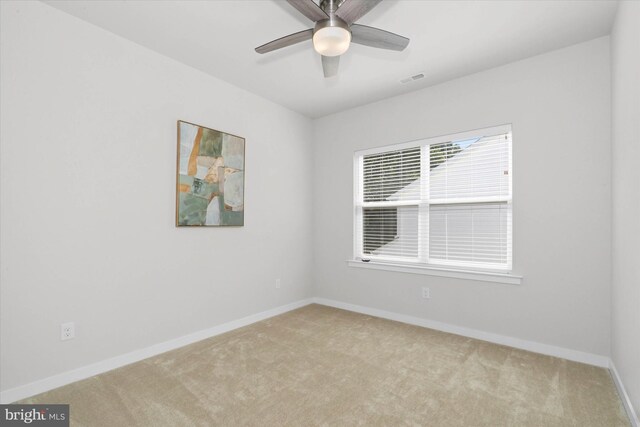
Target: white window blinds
443, 201
391, 193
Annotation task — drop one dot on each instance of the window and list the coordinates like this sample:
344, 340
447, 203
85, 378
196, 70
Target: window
441, 202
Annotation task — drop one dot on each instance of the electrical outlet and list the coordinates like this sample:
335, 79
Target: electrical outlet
67, 331
278, 283
426, 293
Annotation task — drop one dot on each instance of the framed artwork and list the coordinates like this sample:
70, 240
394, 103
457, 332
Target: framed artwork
210, 181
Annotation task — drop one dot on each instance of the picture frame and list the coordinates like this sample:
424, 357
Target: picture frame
210, 177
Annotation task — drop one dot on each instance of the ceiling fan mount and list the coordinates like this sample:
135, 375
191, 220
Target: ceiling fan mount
335, 29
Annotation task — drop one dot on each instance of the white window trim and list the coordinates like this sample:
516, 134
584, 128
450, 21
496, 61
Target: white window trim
483, 273
430, 270
435, 140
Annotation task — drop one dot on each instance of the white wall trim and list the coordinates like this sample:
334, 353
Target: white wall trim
626, 401
55, 381
46, 384
550, 350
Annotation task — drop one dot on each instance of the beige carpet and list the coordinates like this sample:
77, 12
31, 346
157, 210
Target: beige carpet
323, 366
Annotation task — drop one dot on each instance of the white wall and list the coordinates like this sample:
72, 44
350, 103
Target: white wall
559, 105
88, 163
625, 72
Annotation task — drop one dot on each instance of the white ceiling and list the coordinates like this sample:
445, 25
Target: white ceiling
449, 39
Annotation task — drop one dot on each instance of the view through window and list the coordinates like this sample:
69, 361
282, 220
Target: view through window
443, 201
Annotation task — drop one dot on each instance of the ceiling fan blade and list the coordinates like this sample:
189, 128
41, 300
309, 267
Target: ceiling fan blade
330, 65
352, 10
375, 37
309, 9
285, 41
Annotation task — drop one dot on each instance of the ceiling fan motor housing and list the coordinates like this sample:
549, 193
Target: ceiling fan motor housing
333, 21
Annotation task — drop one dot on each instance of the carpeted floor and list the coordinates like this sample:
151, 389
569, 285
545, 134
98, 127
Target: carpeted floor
323, 366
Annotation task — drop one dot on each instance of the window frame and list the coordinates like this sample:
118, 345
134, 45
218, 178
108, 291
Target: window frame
422, 263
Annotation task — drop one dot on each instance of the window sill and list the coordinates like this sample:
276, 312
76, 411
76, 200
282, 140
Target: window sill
482, 276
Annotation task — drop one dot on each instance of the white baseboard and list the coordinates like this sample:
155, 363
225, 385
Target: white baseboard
550, 350
626, 401
55, 381
84, 372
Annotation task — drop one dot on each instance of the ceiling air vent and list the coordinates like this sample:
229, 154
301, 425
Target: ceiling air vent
412, 78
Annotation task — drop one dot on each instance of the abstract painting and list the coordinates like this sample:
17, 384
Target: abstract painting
210, 184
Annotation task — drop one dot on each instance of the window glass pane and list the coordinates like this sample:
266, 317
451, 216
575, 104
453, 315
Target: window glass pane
470, 169
392, 175
452, 209
390, 231
475, 233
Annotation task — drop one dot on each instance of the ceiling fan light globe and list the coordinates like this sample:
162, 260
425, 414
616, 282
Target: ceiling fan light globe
331, 41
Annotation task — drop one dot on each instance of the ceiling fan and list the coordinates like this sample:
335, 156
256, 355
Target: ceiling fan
335, 29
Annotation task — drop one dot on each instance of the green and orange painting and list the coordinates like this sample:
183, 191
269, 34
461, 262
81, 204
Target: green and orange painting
210, 185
